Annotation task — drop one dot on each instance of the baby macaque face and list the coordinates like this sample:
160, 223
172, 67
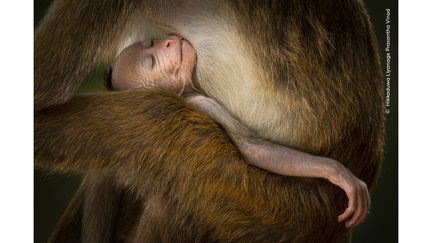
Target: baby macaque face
167, 64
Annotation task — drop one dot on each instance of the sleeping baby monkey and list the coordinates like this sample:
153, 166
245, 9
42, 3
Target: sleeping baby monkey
169, 65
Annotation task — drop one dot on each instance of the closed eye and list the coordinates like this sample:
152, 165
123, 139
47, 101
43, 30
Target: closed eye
153, 61
148, 43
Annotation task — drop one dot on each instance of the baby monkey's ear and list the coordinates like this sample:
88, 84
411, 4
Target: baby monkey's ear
108, 81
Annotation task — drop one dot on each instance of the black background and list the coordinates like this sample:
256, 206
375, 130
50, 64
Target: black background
53, 192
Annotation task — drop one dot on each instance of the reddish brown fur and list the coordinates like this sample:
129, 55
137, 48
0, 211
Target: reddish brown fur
319, 53
228, 197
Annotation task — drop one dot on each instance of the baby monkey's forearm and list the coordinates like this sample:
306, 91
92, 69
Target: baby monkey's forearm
269, 156
287, 161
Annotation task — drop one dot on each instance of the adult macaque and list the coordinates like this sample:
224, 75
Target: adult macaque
304, 74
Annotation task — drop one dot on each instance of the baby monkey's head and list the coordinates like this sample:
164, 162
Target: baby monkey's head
167, 64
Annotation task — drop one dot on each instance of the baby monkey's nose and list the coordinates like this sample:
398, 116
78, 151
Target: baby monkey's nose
171, 41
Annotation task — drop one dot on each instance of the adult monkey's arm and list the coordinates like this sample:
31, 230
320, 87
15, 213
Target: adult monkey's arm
144, 132
155, 144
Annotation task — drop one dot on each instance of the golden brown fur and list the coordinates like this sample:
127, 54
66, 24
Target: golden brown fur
301, 73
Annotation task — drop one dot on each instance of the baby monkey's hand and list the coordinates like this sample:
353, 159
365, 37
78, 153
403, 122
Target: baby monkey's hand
356, 190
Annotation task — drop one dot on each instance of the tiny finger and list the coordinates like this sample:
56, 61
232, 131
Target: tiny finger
367, 203
350, 209
358, 212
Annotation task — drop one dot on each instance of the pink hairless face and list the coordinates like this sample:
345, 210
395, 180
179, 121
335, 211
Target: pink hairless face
168, 64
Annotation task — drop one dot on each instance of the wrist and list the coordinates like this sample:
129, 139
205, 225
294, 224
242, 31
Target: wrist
331, 169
